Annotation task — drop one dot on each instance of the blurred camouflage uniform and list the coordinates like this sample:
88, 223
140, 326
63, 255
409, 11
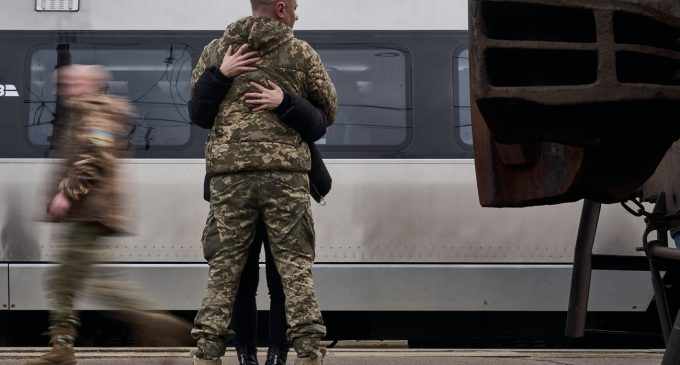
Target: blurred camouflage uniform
259, 169
91, 144
94, 139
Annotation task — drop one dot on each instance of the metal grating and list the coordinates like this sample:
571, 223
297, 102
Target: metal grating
57, 5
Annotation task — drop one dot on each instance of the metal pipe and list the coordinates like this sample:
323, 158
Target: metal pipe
656, 222
582, 271
665, 253
660, 299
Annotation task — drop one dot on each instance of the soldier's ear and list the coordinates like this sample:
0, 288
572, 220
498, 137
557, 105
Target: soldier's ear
280, 9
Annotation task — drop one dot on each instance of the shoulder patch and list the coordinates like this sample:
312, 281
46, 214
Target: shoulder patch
100, 137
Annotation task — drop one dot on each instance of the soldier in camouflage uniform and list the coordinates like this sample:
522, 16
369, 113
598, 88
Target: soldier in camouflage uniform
259, 169
86, 195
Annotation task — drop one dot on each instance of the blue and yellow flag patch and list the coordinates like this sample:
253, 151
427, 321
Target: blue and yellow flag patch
100, 137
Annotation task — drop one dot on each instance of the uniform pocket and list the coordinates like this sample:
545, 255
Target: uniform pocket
292, 183
211, 238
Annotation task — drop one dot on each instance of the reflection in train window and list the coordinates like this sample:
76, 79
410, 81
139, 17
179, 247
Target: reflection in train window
156, 81
373, 96
462, 102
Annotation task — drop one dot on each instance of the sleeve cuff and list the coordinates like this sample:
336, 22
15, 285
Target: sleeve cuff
285, 106
71, 194
219, 76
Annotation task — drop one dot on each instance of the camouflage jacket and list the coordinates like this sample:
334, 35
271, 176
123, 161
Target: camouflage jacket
94, 139
242, 140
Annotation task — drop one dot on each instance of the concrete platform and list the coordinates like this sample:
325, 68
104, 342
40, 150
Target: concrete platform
365, 357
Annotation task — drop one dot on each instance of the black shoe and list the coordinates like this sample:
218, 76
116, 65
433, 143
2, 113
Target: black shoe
277, 355
247, 355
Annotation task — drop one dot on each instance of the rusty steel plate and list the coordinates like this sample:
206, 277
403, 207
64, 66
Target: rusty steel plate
572, 99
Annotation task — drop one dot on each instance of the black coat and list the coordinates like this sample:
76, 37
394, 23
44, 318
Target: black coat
295, 111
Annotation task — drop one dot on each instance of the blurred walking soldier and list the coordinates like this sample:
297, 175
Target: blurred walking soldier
258, 168
85, 194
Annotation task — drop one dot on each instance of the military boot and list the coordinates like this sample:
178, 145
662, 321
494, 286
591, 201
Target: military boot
277, 355
58, 355
247, 355
312, 360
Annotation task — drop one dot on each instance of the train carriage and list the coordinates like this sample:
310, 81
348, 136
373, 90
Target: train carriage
402, 230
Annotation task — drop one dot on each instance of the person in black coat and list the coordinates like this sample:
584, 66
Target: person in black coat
298, 113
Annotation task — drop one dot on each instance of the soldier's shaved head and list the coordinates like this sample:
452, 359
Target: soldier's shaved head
256, 3
281, 10
78, 80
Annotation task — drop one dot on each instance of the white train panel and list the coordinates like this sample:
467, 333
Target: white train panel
215, 14
379, 211
374, 287
4, 286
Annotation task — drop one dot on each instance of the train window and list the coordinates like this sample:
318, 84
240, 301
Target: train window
462, 102
372, 91
156, 81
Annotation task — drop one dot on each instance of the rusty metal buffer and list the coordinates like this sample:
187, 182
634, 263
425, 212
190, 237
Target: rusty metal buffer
580, 99
572, 99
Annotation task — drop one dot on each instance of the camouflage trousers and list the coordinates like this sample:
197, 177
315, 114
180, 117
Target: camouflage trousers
281, 200
78, 251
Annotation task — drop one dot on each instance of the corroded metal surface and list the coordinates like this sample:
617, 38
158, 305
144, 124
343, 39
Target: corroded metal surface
666, 180
572, 99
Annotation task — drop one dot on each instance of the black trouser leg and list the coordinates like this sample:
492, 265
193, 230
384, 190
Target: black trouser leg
277, 308
245, 307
